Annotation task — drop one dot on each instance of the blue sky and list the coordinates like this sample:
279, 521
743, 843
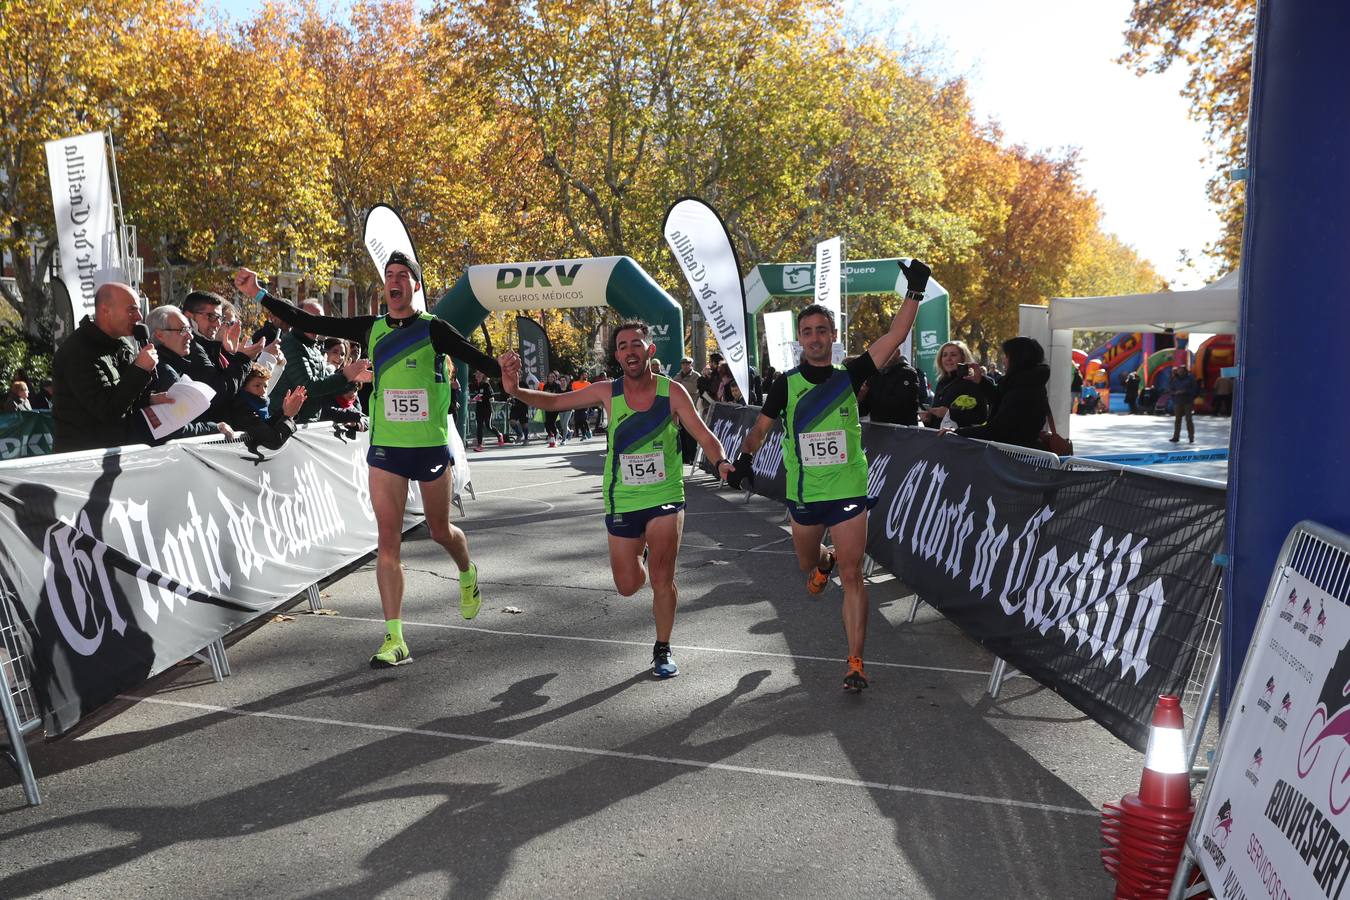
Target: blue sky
1045, 70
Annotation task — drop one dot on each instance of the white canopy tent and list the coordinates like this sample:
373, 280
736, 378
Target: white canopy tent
1214, 308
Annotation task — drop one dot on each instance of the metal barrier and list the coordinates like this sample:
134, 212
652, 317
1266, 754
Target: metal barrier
20, 708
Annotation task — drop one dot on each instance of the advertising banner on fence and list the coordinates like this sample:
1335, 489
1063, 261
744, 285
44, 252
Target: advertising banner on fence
1276, 818
1093, 583
86, 224
119, 572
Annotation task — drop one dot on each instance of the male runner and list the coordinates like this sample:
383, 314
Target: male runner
643, 481
409, 430
823, 455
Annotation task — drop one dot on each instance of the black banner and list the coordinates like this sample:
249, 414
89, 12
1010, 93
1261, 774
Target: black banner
120, 565
1093, 583
534, 355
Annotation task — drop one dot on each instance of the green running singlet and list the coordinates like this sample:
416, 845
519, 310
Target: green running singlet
822, 439
642, 462
410, 400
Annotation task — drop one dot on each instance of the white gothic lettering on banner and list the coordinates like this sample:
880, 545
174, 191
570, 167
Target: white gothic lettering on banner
1091, 598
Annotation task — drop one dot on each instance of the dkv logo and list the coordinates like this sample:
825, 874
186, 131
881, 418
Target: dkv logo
509, 277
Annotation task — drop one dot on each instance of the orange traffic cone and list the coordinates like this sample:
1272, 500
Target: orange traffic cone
1167, 780
1143, 835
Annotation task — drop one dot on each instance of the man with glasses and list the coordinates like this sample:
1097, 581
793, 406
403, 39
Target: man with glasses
172, 337
208, 360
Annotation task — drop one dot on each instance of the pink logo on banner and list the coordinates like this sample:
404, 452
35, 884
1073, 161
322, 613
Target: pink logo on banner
1223, 824
1328, 729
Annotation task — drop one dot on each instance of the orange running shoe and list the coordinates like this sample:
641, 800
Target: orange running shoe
820, 578
855, 680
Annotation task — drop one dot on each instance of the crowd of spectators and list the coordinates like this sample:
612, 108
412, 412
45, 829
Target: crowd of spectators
115, 369
110, 376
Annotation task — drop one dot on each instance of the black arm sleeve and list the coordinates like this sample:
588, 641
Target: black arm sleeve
445, 338
357, 328
776, 399
860, 369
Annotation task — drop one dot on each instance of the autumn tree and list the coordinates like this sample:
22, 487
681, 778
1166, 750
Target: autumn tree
414, 131
1214, 40
66, 67
226, 159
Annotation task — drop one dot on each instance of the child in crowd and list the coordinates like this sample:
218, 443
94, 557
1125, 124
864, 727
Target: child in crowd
250, 414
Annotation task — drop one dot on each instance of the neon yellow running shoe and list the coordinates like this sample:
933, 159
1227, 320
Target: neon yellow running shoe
470, 598
393, 652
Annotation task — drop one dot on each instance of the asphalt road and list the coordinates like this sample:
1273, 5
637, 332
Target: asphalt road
529, 754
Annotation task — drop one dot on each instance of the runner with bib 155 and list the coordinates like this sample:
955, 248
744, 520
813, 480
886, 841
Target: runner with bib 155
409, 428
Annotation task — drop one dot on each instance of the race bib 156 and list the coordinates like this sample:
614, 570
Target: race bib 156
824, 448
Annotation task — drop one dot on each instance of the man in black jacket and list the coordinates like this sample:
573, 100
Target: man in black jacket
100, 377
893, 395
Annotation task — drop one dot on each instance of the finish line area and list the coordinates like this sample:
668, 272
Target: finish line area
531, 754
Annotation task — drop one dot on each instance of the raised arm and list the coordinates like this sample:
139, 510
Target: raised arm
356, 328
597, 394
916, 281
445, 338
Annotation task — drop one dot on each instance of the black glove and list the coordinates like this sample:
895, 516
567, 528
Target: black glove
916, 276
742, 472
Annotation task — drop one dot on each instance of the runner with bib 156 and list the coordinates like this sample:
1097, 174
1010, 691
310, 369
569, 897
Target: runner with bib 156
823, 455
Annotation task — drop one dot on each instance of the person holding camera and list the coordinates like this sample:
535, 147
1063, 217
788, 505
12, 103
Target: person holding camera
964, 394
1021, 406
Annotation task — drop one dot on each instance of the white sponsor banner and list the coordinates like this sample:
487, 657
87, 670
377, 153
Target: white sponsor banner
549, 284
780, 335
703, 249
1276, 815
827, 277
86, 227
385, 233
